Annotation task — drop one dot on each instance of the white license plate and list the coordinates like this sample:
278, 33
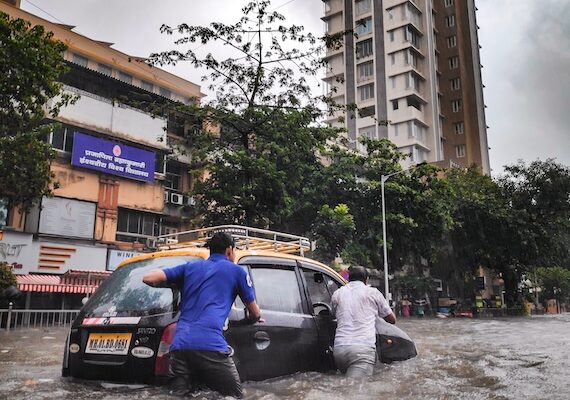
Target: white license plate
108, 343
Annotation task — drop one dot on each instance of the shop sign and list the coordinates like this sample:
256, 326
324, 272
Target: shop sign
112, 157
118, 256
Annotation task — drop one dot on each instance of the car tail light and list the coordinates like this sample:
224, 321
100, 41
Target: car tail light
163, 354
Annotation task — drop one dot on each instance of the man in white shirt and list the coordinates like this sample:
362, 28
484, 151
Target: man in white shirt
356, 307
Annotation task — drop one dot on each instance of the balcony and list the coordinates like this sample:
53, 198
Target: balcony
103, 115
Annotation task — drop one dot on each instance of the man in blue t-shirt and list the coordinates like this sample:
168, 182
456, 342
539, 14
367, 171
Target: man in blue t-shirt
199, 353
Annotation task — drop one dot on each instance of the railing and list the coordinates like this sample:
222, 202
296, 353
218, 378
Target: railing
245, 237
14, 319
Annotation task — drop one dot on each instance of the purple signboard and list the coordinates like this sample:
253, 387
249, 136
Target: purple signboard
112, 157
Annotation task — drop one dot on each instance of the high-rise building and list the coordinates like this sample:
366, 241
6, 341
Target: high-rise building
412, 68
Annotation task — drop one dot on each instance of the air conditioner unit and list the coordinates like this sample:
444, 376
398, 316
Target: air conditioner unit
176, 198
171, 241
166, 197
190, 201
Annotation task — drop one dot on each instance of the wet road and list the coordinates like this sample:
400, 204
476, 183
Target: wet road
516, 358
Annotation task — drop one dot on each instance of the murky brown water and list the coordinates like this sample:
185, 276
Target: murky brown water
517, 358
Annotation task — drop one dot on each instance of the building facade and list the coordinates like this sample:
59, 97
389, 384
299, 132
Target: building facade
412, 68
119, 180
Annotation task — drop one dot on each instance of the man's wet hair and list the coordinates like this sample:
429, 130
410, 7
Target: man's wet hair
357, 273
219, 242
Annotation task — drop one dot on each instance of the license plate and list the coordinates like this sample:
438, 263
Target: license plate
108, 343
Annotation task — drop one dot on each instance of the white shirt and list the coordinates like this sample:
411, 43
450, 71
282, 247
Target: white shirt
356, 307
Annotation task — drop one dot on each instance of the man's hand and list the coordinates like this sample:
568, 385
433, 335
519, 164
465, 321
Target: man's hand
155, 278
253, 313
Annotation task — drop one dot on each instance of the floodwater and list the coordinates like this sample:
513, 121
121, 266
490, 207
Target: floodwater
510, 358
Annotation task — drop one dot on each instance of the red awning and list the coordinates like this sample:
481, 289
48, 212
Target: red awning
60, 284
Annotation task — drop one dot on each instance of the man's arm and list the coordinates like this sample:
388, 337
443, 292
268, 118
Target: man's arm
253, 312
390, 318
155, 278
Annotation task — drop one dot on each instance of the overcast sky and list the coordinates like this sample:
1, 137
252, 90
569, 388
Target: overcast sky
525, 53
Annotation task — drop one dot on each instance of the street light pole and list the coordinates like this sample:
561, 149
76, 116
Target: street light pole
383, 180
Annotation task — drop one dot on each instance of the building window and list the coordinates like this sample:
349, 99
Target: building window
393, 58
367, 112
447, 3
61, 139
393, 81
411, 58
368, 131
391, 36
396, 129
104, 69
412, 36
450, 21
363, 26
460, 151
3, 212
165, 92
454, 62
364, 48
365, 71
395, 104
455, 84
80, 60
417, 155
456, 106
149, 87
413, 81
136, 225
366, 92
411, 14
458, 128
327, 5
414, 102
362, 6
452, 41
173, 179
416, 131
125, 77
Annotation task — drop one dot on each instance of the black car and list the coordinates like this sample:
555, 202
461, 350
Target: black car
123, 333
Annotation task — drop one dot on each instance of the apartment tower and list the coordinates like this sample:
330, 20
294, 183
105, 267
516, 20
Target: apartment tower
412, 67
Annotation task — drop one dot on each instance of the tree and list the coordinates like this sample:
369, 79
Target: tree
332, 229
269, 142
7, 277
415, 218
31, 62
555, 282
483, 232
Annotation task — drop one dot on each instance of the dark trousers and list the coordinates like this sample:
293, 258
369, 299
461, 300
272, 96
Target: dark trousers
192, 369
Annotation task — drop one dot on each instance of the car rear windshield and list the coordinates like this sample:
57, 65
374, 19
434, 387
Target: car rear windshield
125, 294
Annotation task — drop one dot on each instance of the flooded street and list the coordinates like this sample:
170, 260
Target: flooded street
510, 358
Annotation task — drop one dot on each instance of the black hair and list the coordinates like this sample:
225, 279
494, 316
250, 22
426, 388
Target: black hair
357, 273
219, 242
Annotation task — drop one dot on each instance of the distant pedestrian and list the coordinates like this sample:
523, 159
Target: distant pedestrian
356, 307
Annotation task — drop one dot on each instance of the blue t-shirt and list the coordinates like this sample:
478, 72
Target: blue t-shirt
208, 290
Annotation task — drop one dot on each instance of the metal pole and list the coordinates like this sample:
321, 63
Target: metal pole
386, 287
9, 320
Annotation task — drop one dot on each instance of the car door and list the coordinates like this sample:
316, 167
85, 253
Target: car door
319, 288
287, 340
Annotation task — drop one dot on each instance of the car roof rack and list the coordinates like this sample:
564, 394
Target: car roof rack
245, 238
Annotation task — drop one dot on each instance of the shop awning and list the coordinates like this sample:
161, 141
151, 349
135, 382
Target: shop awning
72, 281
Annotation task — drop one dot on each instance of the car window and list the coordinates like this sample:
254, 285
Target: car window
276, 289
125, 294
317, 286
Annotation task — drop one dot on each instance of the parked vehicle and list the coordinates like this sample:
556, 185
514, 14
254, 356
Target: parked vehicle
123, 333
